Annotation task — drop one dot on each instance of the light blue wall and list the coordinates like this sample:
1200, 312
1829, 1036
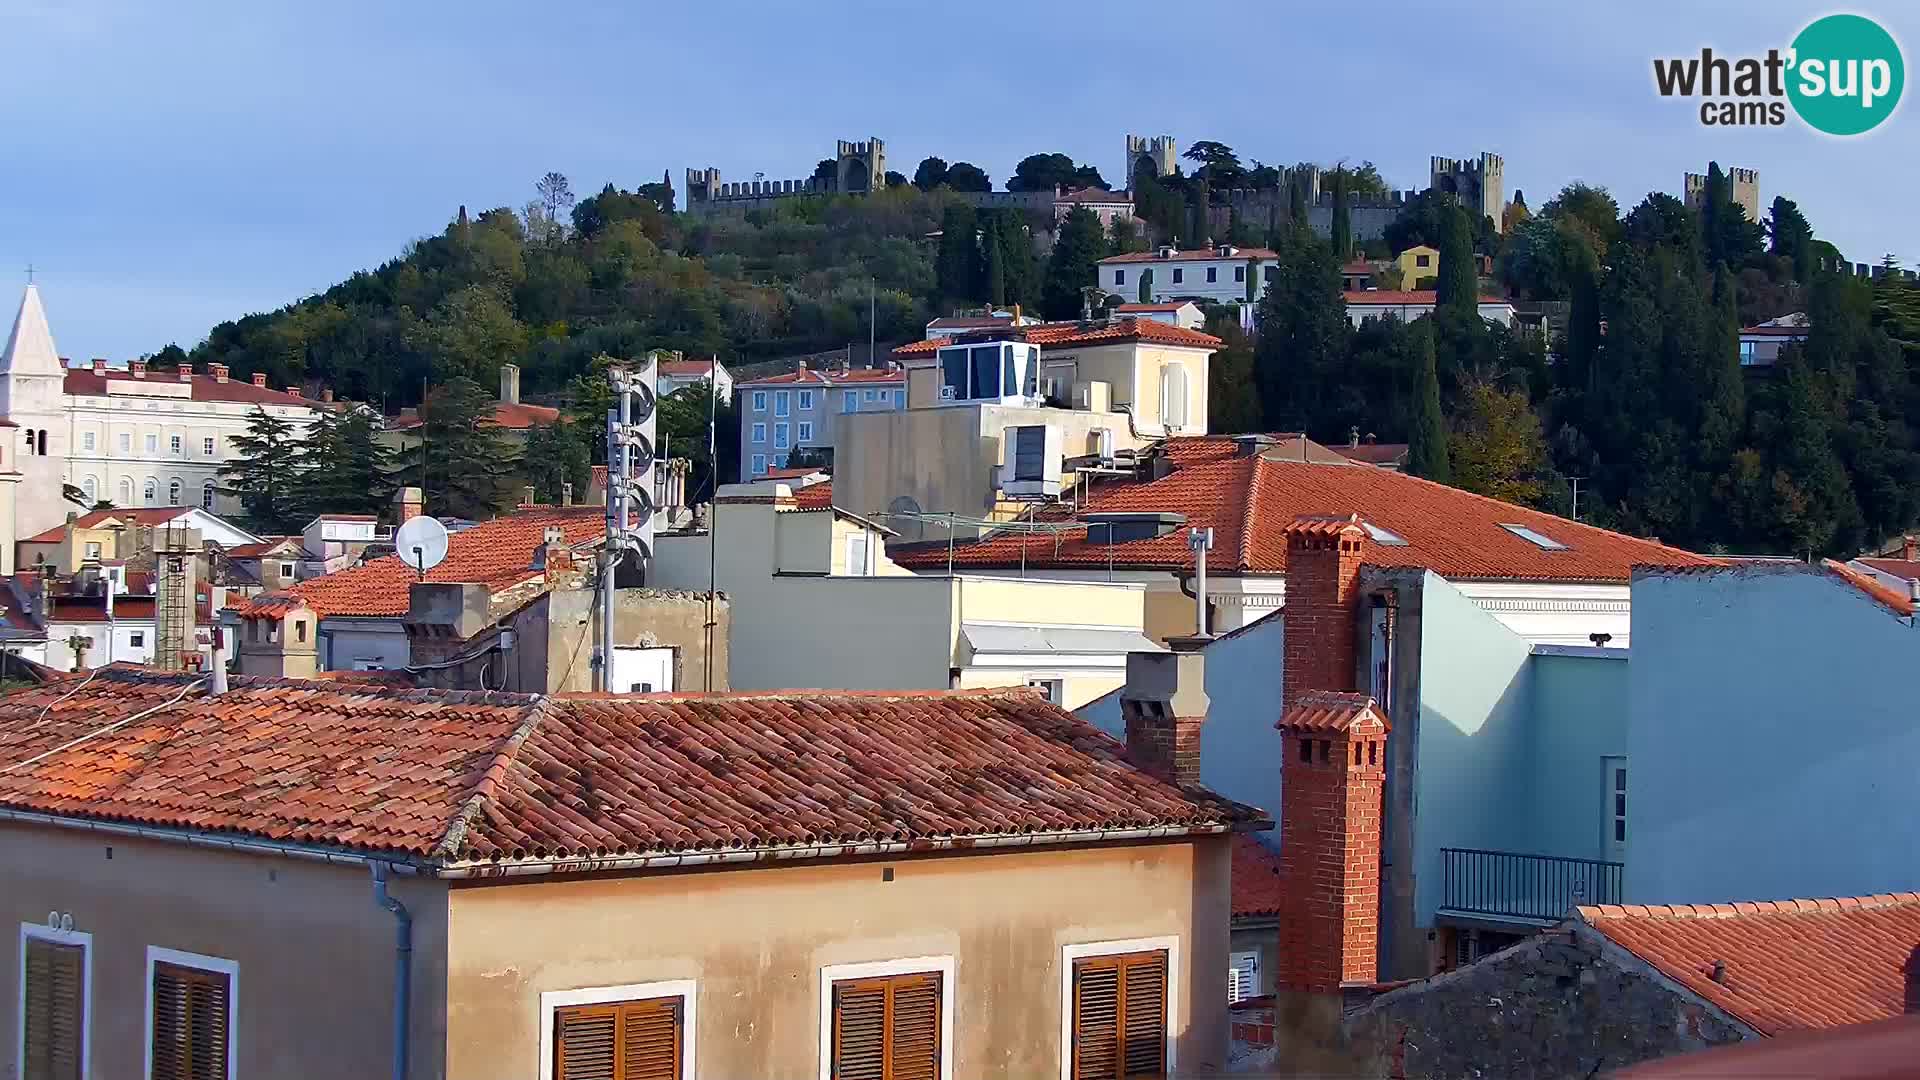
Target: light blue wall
1774, 744
1473, 775
1578, 717
1239, 748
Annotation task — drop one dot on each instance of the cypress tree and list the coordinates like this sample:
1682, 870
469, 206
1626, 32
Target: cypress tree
1342, 217
996, 268
1146, 285
1427, 443
1296, 200
954, 266
1459, 285
466, 462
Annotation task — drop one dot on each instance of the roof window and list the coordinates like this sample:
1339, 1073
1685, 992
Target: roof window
1383, 537
1539, 540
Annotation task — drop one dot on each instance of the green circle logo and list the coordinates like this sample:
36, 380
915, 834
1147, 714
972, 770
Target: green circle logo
1846, 74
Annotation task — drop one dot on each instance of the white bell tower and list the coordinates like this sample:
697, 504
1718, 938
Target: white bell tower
33, 400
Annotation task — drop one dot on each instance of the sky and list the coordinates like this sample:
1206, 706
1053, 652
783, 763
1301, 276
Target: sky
166, 167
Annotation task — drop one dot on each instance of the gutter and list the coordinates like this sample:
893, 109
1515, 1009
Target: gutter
218, 841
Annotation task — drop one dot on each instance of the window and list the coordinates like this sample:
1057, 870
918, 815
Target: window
1539, 540
759, 401
1243, 976
1213, 274
634, 1032
153, 443
1116, 1014
806, 400
858, 549
150, 491
869, 395
887, 1023
1055, 689
1173, 395
1179, 275
805, 432
190, 1015
207, 492
759, 433
137, 639
126, 492
90, 488
208, 445
899, 399
300, 632
287, 569
1421, 260
1614, 844
759, 464
86, 440
1239, 273
173, 492
126, 442
175, 444
780, 436
781, 402
55, 992
1119, 277
93, 551
849, 400
1749, 352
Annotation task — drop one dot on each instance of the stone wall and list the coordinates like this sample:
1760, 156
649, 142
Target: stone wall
1563, 1003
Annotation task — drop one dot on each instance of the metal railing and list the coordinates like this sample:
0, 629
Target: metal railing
1511, 885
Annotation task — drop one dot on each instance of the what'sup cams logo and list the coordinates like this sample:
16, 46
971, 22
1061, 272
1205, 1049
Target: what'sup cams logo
1842, 75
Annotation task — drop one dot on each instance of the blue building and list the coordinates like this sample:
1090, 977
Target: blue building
800, 410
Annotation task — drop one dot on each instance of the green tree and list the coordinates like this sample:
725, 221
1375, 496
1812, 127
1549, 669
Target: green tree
1074, 264
1791, 237
994, 269
1427, 452
265, 472
1218, 165
958, 265
930, 173
966, 176
1046, 172
556, 454
345, 468
471, 333
466, 464
1459, 287
682, 423
1233, 401
1342, 216
1496, 447
1589, 210
1303, 340
1146, 285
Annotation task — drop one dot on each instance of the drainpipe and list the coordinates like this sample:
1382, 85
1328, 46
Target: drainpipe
402, 965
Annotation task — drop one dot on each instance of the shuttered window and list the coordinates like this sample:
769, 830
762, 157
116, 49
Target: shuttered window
1120, 1017
627, 1040
191, 1022
887, 1028
54, 1010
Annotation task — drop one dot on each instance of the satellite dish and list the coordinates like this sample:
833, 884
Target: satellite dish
421, 543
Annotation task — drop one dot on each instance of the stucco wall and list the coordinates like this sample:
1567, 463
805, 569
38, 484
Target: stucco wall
383, 642
315, 986
754, 942
1579, 717
648, 618
1771, 740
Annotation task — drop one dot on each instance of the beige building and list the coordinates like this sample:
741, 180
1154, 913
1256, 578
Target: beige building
816, 603
557, 883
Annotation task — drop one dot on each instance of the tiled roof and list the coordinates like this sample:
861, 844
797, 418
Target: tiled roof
814, 496
1402, 296
1256, 878
269, 546
498, 554
1776, 331
1790, 964
969, 322
1250, 500
1137, 309
1900, 568
685, 367
1900, 603
94, 519
513, 416
91, 609
1066, 334
1332, 711
831, 377
1374, 453
1095, 195
453, 777
1195, 255
86, 381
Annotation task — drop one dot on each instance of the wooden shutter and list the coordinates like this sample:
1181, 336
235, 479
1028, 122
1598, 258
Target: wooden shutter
54, 1010
190, 1023
887, 1028
628, 1040
1120, 1017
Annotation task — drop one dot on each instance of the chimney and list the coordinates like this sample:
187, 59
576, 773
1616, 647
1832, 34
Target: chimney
218, 371
296, 390
555, 557
260, 378
1909, 547
510, 383
408, 500
1165, 703
1911, 999
99, 366
566, 494
526, 495
184, 372
1353, 437
326, 394
1322, 583
803, 367
137, 368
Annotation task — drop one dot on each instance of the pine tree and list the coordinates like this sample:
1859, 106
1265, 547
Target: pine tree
465, 461
1459, 285
1233, 402
1343, 217
1427, 442
1302, 349
345, 468
556, 455
265, 473
1074, 264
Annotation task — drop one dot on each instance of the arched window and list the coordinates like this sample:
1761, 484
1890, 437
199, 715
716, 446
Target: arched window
173, 492
150, 492
1173, 396
206, 495
126, 492
92, 489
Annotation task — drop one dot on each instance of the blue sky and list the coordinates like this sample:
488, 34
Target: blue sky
168, 166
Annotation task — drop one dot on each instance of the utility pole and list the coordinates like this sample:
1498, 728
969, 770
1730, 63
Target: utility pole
1575, 481
1200, 541
713, 504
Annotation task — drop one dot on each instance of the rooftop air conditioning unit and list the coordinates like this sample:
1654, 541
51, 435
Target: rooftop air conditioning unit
1094, 396
1033, 457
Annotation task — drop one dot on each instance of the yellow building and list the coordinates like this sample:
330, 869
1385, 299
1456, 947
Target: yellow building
1417, 264
816, 603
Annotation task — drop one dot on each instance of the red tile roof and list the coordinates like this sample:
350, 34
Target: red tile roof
1900, 568
1374, 453
1402, 296
94, 519
1882, 1050
470, 777
1195, 255
1095, 195
1899, 602
1333, 711
969, 322
686, 367
1169, 306
1791, 964
91, 609
269, 546
1256, 879
498, 554
831, 377
86, 381
1066, 334
1250, 500
814, 496
516, 416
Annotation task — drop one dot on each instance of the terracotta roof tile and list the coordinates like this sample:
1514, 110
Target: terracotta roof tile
1789, 964
513, 416
1901, 568
94, 519
1249, 501
1883, 594
831, 377
1256, 878
1334, 710
814, 496
1065, 334
1374, 453
497, 553
1193, 255
470, 776
85, 381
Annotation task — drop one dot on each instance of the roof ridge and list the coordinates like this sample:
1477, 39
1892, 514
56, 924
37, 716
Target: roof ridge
491, 782
1589, 913
1245, 561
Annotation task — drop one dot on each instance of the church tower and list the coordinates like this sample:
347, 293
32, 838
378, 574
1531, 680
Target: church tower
33, 401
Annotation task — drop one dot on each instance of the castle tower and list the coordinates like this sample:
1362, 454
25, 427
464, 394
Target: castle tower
1743, 187
1480, 184
860, 166
1159, 151
33, 400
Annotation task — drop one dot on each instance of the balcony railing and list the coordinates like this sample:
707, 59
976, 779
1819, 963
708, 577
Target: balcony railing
1505, 884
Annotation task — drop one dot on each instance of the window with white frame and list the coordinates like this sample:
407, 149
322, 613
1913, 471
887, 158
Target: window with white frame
804, 434
150, 491
759, 433
209, 446
1055, 689
782, 402
174, 488
90, 487
1173, 395
1119, 277
56, 997
806, 400
207, 493
153, 443
759, 401
849, 400
287, 570
641, 1031
1213, 274
1243, 976
126, 442
137, 639
1179, 275
175, 444
887, 1019
191, 1015
868, 396
1117, 1001
759, 464
780, 436
86, 440
859, 555
93, 551
126, 492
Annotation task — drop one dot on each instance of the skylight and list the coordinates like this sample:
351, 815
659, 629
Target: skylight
1382, 536
1539, 540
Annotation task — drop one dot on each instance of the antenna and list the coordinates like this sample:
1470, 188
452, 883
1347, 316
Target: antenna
421, 543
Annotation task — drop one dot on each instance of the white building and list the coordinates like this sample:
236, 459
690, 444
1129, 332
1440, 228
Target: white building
1217, 274
131, 436
1184, 314
1408, 305
678, 374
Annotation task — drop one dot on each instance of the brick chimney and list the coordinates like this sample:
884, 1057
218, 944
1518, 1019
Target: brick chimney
1323, 584
1165, 704
510, 383
407, 500
218, 371
137, 368
1911, 998
184, 372
555, 557
1909, 547
296, 390
260, 378
326, 394
99, 366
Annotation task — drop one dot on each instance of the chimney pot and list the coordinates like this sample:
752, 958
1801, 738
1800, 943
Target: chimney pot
408, 500
137, 368
296, 391
99, 366
218, 371
1165, 705
803, 366
1720, 971
1909, 547
260, 378
185, 372
566, 494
